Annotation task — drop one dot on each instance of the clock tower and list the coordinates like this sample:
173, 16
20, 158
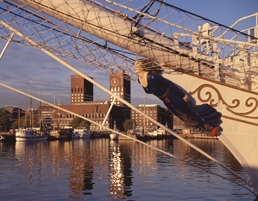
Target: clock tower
120, 85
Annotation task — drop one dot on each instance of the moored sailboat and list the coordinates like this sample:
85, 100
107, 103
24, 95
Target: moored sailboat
29, 134
81, 133
114, 136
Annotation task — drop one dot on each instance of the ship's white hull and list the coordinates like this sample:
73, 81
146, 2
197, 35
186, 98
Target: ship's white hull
113, 136
239, 110
26, 134
81, 134
24, 139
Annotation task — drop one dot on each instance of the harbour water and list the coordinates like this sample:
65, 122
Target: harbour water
103, 169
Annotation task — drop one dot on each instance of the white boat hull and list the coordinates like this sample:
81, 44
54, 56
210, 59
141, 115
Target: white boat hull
81, 134
25, 134
155, 133
239, 110
113, 136
80, 137
39, 138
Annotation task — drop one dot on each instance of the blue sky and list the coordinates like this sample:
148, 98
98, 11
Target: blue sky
21, 65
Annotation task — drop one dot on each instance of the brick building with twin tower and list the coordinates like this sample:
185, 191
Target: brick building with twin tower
82, 102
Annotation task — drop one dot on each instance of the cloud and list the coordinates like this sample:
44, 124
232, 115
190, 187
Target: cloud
31, 71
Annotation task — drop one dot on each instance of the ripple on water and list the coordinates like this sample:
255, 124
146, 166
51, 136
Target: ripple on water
100, 169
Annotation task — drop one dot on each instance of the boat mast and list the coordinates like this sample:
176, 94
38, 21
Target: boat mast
19, 116
31, 106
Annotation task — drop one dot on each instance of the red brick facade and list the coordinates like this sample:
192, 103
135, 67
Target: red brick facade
81, 89
97, 110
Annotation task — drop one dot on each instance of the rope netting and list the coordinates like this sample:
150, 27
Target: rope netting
180, 41
112, 35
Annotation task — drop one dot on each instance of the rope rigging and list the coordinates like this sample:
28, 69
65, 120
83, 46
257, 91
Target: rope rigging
186, 45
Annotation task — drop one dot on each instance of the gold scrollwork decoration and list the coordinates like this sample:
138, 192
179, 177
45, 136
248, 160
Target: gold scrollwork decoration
251, 103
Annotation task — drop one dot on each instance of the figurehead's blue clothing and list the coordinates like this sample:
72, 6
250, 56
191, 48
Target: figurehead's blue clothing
172, 97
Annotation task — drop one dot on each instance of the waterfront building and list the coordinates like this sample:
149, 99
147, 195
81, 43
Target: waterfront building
120, 85
82, 103
81, 89
14, 113
178, 123
155, 111
46, 115
22, 117
94, 110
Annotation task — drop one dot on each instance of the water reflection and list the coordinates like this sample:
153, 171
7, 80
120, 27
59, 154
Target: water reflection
81, 169
117, 176
105, 169
212, 147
